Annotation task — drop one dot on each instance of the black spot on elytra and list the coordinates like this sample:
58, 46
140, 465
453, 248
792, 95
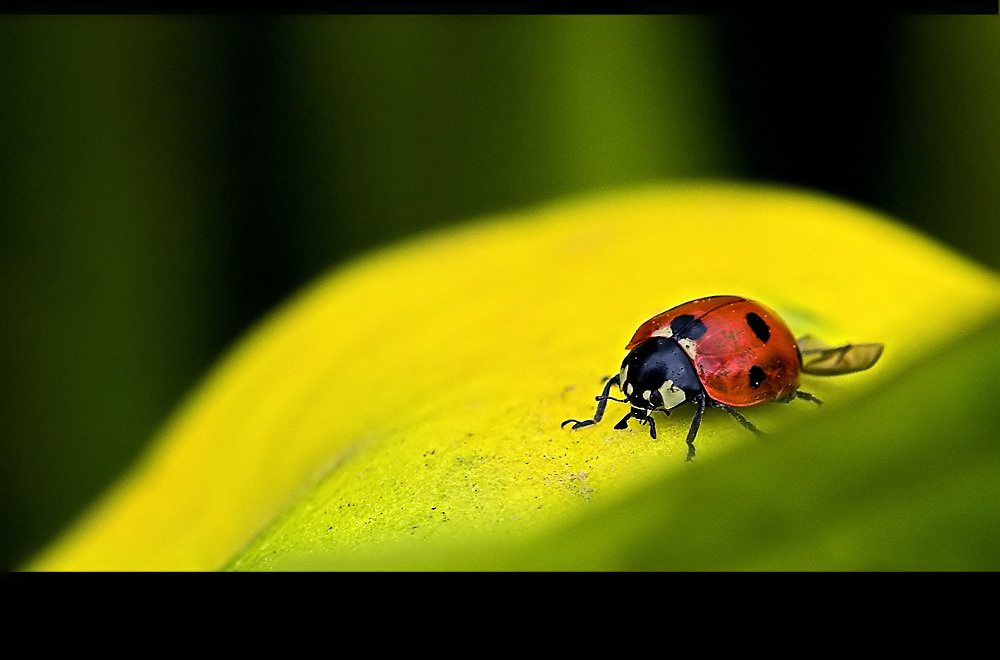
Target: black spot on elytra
686, 326
759, 327
757, 376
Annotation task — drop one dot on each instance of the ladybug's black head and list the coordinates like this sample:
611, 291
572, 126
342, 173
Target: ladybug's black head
658, 374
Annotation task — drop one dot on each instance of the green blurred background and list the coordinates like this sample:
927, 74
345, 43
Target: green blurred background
167, 180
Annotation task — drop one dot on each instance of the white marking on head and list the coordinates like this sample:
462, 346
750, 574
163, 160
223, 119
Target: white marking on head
665, 331
672, 396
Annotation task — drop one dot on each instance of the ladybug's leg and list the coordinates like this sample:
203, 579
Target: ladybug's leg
799, 394
645, 417
623, 422
602, 402
695, 424
738, 416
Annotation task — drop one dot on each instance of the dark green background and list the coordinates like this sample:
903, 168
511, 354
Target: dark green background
168, 180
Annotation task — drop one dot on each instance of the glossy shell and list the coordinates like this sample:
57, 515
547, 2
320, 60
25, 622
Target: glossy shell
743, 352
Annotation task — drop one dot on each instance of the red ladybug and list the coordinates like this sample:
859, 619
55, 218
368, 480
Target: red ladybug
723, 351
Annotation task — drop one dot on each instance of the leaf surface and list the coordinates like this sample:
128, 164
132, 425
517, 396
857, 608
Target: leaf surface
407, 406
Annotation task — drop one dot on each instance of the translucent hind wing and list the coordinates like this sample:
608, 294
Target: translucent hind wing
823, 360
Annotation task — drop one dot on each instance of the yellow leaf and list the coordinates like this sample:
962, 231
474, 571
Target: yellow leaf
418, 392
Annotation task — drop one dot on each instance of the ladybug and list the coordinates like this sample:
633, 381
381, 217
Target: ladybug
728, 352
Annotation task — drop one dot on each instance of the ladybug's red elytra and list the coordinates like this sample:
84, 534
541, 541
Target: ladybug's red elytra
723, 351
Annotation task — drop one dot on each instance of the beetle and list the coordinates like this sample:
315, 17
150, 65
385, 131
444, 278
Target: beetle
724, 351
